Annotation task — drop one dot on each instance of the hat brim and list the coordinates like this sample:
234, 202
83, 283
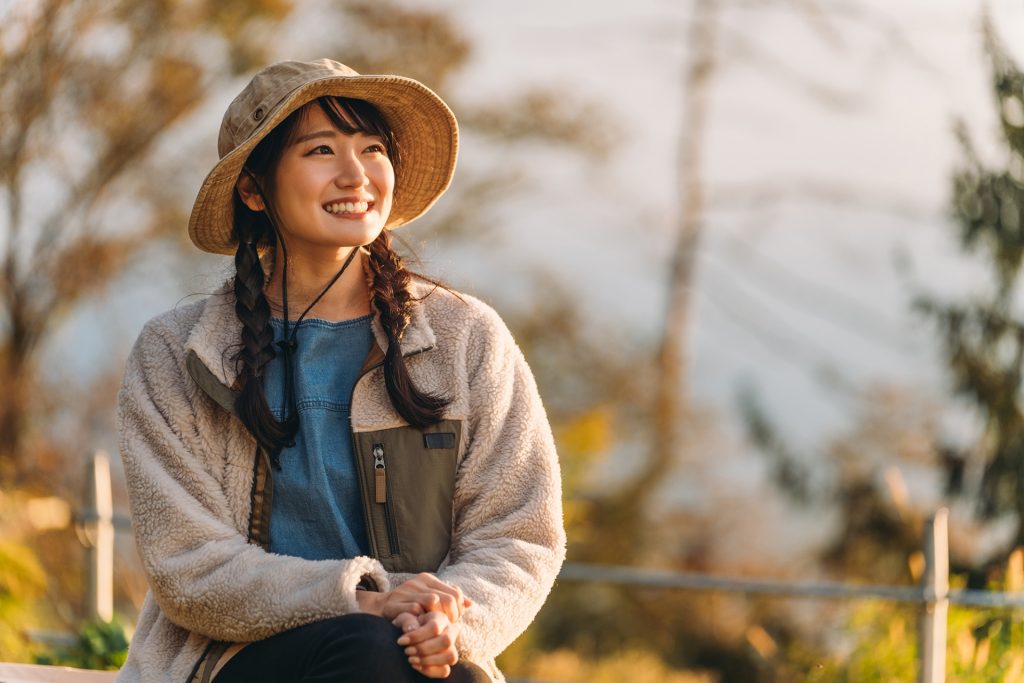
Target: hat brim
423, 125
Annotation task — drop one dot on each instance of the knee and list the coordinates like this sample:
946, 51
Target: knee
364, 637
369, 630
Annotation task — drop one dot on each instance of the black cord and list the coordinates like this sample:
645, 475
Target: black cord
290, 343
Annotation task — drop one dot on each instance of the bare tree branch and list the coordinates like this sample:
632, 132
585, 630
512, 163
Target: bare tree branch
764, 194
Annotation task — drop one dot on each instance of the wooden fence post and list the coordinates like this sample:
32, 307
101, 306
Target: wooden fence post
99, 538
932, 648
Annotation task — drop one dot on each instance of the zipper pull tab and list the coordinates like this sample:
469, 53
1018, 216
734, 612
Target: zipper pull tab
379, 474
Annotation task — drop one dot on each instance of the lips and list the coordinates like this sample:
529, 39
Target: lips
348, 207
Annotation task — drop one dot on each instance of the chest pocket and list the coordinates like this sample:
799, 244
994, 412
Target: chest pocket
407, 479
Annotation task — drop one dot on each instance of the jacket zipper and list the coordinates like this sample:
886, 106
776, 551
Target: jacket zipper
381, 489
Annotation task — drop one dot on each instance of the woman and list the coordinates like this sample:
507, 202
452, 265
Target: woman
366, 490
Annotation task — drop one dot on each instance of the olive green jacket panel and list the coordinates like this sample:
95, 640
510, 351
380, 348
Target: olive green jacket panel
407, 478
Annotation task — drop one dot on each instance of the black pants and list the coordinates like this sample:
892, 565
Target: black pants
353, 648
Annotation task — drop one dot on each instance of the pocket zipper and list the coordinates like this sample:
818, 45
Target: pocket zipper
380, 474
381, 495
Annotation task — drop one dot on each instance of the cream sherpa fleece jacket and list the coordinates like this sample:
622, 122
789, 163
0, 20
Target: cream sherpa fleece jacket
189, 464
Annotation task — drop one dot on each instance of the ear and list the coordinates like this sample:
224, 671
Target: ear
249, 192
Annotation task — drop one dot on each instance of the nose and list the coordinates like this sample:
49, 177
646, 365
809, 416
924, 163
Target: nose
350, 172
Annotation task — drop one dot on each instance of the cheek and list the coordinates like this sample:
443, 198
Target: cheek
385, 178
299, 181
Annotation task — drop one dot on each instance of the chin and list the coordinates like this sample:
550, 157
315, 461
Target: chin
354, 236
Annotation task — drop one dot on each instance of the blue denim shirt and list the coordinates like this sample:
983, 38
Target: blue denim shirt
316, 511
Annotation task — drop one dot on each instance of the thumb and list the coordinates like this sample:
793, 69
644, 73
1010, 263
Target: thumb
405, 621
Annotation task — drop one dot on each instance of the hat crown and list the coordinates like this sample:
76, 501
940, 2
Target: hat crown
267, 90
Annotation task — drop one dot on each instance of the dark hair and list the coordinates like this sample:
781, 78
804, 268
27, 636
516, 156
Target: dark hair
255, 234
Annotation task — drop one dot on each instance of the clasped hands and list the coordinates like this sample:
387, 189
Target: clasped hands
427, 610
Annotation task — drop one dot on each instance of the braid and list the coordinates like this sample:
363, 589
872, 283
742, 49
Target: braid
392, 298
257, 348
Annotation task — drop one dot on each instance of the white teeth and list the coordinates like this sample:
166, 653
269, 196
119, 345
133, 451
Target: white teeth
348, 207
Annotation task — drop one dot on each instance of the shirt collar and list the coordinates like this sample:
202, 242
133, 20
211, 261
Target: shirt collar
217, 334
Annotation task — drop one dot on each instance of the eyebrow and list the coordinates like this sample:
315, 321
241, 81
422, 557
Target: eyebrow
316, 134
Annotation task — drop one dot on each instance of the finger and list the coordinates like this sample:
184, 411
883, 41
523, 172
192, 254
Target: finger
447, 657
431, 625
434, 671
437, 645
444, 588
406, 622
429, 583
419, 635
392, 607
442, 647
436, 602
439, 602
447, 604
422, 583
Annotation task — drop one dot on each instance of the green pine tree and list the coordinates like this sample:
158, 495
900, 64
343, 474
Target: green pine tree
983, 337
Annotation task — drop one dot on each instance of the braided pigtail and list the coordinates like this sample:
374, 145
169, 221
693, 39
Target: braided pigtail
257, 347
391, 297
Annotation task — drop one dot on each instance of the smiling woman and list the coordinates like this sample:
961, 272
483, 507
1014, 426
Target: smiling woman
334, 178
367, 490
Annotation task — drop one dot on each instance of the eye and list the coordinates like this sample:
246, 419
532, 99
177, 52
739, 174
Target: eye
376, 148
321, 149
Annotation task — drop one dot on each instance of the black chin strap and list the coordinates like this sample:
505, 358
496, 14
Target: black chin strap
289, 344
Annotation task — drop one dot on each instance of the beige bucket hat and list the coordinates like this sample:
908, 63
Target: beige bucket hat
423, 125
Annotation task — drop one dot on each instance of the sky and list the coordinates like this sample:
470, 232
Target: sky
808, 298
805, 297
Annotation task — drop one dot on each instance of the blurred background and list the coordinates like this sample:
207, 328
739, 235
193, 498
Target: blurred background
762, 256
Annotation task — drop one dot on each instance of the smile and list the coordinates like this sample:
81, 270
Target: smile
348, 207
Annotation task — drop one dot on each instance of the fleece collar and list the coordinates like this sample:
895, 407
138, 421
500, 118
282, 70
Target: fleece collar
215, 338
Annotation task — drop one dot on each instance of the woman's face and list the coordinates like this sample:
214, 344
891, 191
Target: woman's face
331, 190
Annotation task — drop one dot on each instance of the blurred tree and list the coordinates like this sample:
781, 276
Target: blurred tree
858, 482
89, 92
713, 45
94, 95
669, 399
983, 338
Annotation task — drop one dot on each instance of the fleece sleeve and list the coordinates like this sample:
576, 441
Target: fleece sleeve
205, 575
508, 542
